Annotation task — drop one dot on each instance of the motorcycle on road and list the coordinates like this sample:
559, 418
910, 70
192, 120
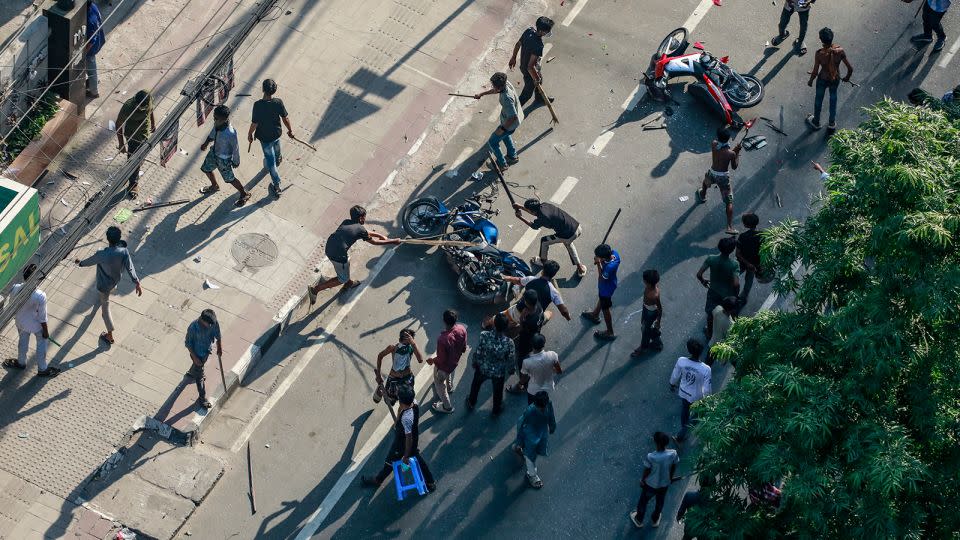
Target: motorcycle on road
717, 84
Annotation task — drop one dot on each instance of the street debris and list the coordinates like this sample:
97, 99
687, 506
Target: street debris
23, 435
111, 126
123, 215
207, 284
548, 60
196, 259
683, 198
779, 202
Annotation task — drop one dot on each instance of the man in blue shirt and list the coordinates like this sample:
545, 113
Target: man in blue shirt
95, 41
607, 261
933, 12
199, 342
224, 155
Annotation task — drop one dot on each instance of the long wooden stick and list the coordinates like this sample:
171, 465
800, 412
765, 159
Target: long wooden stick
610, 228
496, 169
253, 497
425, 242
543, 96
305, 143
462, 95
223, 377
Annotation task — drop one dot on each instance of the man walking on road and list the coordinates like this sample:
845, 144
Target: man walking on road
691, 380
95, 41
652, 313
111, 262
530, 47
802, 8
268, 112
607, 261
224, 155
406, 442
494, 359
933, 12
201, 334
723, 280
533, 430
339, 243
658, 470
540, 369
511, 116
826, 71
724, 159
565, 230
135, 124
451, 344
31, 320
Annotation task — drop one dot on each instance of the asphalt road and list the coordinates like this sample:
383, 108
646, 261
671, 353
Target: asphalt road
607, 404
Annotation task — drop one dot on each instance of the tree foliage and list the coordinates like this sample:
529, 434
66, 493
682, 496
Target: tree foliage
853, 400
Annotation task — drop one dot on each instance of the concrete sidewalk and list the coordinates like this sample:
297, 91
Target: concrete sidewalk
363, 85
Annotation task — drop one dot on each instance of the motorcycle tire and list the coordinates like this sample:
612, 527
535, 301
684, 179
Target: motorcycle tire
740, 101
463, 285
421, 209
674, 44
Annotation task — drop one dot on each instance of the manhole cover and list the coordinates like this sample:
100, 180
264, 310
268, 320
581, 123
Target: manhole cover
254, 250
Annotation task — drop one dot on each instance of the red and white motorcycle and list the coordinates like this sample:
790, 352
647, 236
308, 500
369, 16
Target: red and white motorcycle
717, 84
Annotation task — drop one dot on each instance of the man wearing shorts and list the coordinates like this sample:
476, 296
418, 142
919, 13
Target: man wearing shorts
724, 159
346, 235
223, 156
607, 261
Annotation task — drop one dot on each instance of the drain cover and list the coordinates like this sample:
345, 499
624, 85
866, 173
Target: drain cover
254, 250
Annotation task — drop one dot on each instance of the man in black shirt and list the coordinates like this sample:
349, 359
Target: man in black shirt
347, 234
565, 230
748, 253
530, 47
406, 442
265, 126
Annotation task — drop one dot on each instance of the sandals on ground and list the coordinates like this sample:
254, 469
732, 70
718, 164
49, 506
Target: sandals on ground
207, 190
604, 336
780, 39
242, 200
534, 481
13, 363
588, 315
103, 336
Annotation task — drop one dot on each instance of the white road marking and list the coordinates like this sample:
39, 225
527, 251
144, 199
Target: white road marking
530, 234
634, 98
427, 75
310, 354
356, 464
464, 154
447, 104
416, 144
601, 142
950, 54
694, 19
772, 297
574, 12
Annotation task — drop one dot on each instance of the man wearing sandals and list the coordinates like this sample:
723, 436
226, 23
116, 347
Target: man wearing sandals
607, 261
111, 262
533, 430
224, 155
135, 124
31, 320
201, 334
337, 248
658, 470
724, 159
802, 8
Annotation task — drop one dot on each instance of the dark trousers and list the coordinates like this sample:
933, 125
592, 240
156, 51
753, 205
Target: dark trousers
199, 377
785, 15
822, 86
393, 456
649, 338
529, 89
659, 494
932, 22
132, 147
478, 379
684, 418
748, 277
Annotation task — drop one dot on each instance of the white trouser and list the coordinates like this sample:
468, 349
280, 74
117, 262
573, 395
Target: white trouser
23, 347
531, 467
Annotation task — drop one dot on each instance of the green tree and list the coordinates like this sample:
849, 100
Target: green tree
853, 400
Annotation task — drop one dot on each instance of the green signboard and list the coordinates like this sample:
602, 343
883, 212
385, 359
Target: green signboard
19, 228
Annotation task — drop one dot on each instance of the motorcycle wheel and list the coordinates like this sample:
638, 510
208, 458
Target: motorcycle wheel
674, 44
421, 218
465, 286
744, 96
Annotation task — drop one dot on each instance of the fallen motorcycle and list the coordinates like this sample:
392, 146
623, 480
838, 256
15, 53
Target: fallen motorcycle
718, 85
480, 269
429, 217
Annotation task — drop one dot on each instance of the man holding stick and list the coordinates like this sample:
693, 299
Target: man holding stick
201, 334
511, 115
565, 229
268, 113
530, 47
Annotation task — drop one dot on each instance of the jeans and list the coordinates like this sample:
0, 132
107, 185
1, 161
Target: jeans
684, 418
442, 384
478, 379
494, 144
92, 80
748, 277
648, 337
529, 89
132, 147
105, 308
804, 16
552, 239
822, 86
932, 22
200, 378
395, 455
271, 154
23, 346
659, 494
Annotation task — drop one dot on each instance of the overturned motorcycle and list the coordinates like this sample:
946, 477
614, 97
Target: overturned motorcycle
479, 267
718, 85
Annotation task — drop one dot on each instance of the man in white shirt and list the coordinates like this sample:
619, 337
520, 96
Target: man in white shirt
32, 320
691, 381
539, 369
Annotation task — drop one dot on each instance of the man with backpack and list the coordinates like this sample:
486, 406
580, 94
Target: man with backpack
826, 72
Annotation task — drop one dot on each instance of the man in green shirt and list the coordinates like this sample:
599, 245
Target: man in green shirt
724, 280
135, 123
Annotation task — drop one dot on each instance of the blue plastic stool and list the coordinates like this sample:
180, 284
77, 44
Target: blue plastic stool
398, 477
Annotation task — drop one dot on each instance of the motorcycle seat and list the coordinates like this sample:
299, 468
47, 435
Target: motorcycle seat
483, 249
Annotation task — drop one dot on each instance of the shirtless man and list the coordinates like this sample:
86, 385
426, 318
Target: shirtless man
724, 159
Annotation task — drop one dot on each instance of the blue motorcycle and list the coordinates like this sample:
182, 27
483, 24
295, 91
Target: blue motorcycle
429, 217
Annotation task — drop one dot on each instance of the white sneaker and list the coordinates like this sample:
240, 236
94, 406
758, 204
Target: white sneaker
438, 407
633, 518
656, 522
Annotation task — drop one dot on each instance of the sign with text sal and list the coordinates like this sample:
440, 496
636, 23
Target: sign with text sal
19, 228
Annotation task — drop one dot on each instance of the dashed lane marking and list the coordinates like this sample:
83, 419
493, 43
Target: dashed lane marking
598, 145
574, 12
464, 154
698, 14
950, 54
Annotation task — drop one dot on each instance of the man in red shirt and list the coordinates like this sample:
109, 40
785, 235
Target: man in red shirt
451, 344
